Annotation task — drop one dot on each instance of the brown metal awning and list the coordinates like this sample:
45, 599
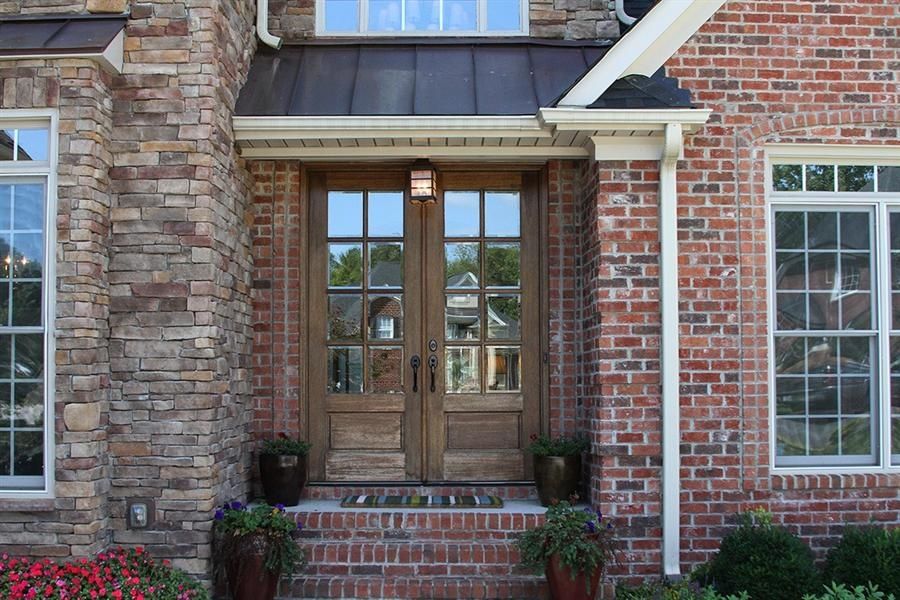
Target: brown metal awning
97, 37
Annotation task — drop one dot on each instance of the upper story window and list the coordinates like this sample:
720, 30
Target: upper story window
26, 171
835, 298
422, 17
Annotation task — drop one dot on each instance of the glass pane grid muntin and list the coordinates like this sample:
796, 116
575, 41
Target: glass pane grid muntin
484, 342
878, 187
365, 344
809, 459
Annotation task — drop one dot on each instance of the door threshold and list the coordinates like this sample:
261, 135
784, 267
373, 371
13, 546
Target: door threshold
510, 507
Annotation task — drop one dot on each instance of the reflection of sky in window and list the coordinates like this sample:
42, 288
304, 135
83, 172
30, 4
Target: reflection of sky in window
501, 214
342, 15
29, 213
461, 217
460, 15
345, 214
384, 15
386, 214
503, 15
422, 15
33, 144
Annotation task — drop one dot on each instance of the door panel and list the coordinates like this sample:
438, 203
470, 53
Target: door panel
483, 299
456, 284
364, 326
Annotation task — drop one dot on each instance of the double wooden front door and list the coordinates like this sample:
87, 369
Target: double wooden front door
424, 328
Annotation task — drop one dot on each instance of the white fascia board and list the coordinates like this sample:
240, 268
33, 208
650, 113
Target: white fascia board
381, 153
645, 48
350, 127
111, 59
587, 119
834, 153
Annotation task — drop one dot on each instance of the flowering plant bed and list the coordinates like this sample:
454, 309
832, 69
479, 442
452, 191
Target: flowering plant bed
126, 574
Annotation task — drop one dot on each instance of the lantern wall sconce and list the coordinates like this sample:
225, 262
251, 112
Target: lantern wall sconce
422, 183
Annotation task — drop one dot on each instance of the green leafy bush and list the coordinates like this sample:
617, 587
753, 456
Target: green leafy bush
581, 538
766, 561
838, 591
682, 590
235, 521
285, 446
544, 445
866, 555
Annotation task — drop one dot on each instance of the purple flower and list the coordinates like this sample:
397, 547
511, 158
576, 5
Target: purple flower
589, 527
609, 525
280, 506
236, 505
220, 514
599, 516
299, 525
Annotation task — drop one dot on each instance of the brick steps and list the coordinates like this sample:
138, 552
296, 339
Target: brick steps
364, 553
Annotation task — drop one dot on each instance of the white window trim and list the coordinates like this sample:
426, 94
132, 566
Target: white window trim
49, 118
880, 203
481, 23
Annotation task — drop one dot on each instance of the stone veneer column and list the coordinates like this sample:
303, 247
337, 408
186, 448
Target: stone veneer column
75, 521
180, 273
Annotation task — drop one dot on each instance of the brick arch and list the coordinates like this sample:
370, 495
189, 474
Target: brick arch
794, 122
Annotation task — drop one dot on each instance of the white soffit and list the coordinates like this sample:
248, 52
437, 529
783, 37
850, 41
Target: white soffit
552, 133
645, 48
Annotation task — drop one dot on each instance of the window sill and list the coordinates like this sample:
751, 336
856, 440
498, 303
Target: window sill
27, 505
794, 480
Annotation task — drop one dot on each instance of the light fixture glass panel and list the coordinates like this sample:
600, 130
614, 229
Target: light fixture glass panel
501, 214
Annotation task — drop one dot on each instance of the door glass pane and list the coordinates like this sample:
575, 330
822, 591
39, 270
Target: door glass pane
503, 368
503, 314
386, 214
385, 370
345, 370
460, 15
386, 317
345, 214
501, 264
501, 214
345, 265
503, 15
462, 316
344, 316
462, 369
341, 15
384, 15
385, 264
462, 264
461, 214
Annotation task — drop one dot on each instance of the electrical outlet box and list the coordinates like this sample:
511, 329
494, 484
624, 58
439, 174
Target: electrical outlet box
139, 513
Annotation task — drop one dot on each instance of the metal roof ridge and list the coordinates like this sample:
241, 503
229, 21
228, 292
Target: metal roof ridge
443, 41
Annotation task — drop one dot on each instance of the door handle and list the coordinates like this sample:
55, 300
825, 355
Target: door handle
432, 365
415, 362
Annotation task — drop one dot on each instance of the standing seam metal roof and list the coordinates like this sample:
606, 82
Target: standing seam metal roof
62, 34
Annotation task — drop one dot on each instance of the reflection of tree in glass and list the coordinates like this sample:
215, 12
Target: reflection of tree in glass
820, 178
345, 269
787, 178
344, 313
462, 259
502, 265
856, 178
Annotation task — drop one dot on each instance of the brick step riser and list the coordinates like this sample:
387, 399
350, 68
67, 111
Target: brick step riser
510, 492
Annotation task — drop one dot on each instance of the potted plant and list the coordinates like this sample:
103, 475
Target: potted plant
557, 465
256, 546
282, 469
572, 548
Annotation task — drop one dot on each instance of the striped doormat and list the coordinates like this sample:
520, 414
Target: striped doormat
367, 501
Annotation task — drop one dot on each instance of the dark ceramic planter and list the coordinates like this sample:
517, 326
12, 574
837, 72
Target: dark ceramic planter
283, 478
563, 587
556, 477
248, 578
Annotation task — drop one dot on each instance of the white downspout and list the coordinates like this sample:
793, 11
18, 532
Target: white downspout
623, 16
669, 365
262, 25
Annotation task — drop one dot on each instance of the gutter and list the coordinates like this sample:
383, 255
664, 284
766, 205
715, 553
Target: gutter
669, 347
623, 16
262, 25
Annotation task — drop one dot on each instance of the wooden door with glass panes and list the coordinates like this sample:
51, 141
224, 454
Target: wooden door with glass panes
424, 360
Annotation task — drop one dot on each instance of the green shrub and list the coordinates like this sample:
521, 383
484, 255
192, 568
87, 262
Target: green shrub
544, 445
285, 446
838, 591
866, 555
673, 591
764, 560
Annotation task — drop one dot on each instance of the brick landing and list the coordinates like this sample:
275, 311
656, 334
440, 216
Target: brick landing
422, 554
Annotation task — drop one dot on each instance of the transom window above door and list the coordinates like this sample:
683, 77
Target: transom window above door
421, 17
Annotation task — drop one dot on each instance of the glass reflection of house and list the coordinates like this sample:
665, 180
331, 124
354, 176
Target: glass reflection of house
463, 313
